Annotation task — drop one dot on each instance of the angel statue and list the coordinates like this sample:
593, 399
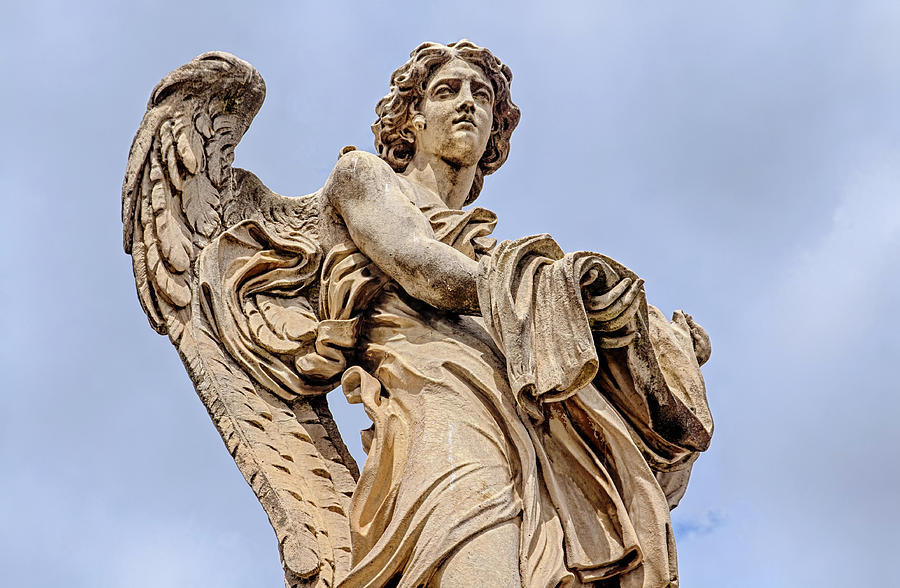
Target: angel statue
534, 419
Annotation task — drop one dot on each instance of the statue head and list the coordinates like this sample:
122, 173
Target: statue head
398, 112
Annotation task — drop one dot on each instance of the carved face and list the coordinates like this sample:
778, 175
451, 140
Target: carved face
458, 113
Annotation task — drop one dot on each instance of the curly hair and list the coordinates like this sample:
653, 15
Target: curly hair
394, 138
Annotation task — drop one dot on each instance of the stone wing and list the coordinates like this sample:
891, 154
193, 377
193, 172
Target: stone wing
229, 271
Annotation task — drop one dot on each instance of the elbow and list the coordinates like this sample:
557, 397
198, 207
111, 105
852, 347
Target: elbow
442, 289
433, 292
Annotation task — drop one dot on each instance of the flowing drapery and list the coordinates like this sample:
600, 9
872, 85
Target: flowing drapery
519, 415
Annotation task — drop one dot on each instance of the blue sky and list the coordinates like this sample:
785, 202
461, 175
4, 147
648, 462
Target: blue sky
743, 158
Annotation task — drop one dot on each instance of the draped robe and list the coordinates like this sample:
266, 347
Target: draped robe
521, 413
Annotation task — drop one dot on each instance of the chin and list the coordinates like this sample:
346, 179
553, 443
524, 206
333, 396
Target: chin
461, 160
462, 152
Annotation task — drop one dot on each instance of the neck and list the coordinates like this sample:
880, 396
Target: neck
450, 182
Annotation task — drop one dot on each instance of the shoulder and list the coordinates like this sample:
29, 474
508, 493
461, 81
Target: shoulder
363, 169
356, 166
358, 176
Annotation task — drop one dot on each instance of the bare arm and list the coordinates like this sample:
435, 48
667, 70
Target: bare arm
365, 192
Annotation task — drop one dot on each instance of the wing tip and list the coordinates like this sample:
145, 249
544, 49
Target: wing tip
222, 66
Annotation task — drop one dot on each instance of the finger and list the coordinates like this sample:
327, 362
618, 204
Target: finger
616, 342
606, 299
590, 277
623, 319
619, 305
700, 339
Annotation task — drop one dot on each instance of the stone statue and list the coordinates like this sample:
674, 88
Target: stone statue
534, 419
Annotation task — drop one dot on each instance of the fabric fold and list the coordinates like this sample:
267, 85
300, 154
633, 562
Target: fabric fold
520, 415
529, 294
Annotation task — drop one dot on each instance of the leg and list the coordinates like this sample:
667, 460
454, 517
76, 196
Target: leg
490, 558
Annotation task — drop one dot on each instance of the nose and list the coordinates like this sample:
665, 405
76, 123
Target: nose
466, 100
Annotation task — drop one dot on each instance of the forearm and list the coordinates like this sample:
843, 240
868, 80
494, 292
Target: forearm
437, 274
397, 237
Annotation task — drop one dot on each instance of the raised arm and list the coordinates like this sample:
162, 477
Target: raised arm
366, 193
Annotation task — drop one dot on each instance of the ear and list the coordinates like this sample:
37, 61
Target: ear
418, 122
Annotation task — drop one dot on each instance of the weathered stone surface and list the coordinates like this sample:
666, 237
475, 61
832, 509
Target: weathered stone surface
534, 419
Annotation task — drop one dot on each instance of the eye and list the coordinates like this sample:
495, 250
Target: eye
483, 94
443, 91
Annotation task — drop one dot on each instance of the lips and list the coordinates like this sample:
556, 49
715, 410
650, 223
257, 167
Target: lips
465, 118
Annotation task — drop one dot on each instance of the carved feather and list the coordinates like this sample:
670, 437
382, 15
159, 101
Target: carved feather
203, 124
168, 284
146, 295
174, 239
220, 148
187, 150
137, 160
167, 138
200, 201
286, 457
178, 184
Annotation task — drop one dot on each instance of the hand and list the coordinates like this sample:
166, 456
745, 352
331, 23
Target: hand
702, 346
612, 313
